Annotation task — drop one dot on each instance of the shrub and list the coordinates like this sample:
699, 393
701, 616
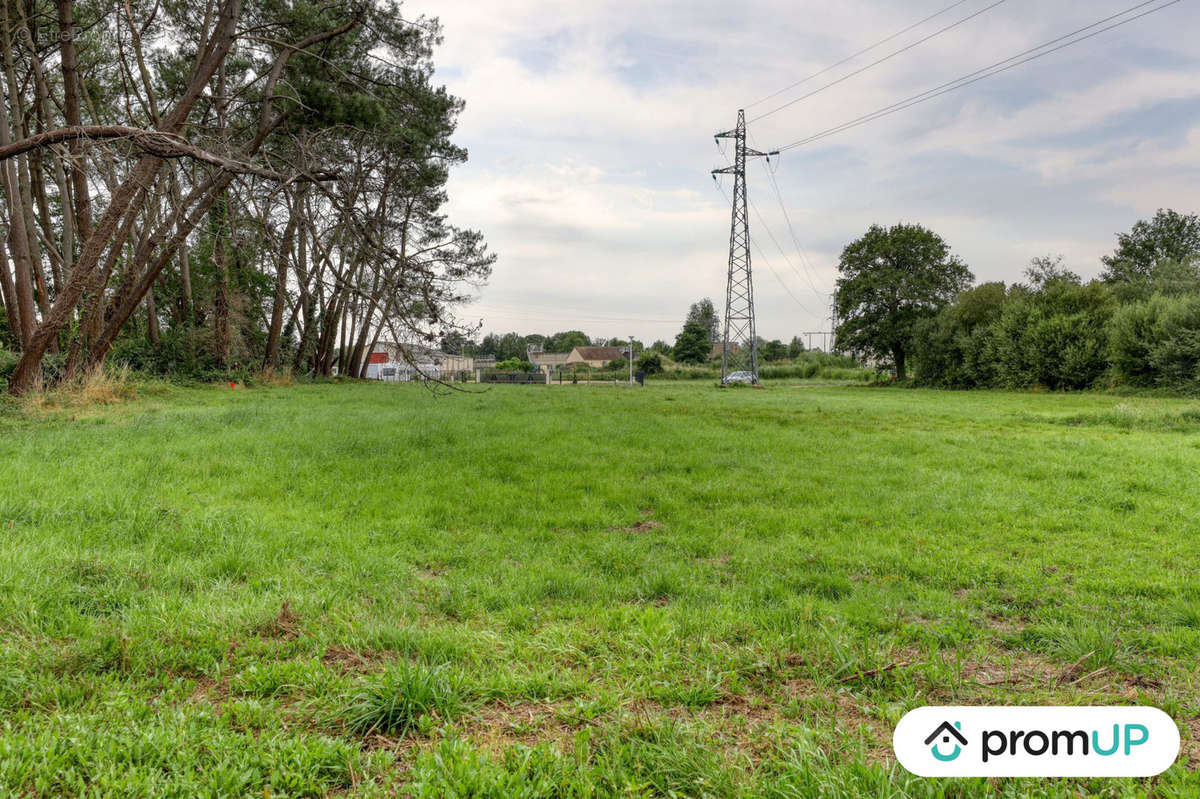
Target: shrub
8, 362
950, 349
650, 362
1133, 333
514, 365
1157, 342
1054, 336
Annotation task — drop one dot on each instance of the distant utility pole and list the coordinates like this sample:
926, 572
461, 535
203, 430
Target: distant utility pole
631, 360
833, 323
739, 287
824, 337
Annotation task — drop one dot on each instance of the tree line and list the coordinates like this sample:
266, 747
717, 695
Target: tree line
694, 345
904, 298
194, 186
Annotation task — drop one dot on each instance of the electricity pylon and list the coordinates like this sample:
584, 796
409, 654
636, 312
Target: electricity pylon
739, 289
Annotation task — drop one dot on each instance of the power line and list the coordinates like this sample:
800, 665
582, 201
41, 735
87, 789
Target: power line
553, 310
876, 63
517, 314
986, 72
763, 256
804, 262
523, 307
779, 247
808, 270
864, 51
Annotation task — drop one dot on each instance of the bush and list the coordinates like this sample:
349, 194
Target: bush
514, 365
1054, 336
8, 362
650, 363
1133, 334
1177, 356
950, 350
1157, 343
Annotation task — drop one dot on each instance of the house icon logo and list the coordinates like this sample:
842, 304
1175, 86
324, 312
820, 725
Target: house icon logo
946, 731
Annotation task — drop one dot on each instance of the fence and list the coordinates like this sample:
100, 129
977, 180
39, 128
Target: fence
523, 378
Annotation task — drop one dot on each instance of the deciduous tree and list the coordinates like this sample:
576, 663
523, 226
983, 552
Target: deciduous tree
890, 279
1170, 235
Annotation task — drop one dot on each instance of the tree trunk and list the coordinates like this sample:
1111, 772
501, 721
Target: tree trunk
898, 355
277, 307
186, 303
201, 201
18, 235
71, 115
93, 313
147, 166
8, 290
219, 229
366, 362
152, 320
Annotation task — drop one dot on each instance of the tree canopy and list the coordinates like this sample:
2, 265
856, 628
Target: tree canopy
1170, 235
704, 313
891, 278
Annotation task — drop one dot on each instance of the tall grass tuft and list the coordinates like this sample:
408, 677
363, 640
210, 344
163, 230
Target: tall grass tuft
396, 701
271, 376
95, 387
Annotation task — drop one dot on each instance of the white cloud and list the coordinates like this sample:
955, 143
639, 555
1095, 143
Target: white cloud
589, 123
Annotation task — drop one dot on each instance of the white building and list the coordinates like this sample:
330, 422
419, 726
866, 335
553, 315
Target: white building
388, 363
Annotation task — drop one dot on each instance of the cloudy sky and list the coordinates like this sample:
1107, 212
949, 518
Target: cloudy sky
590, 126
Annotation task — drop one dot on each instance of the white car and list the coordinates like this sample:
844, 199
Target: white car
739, 377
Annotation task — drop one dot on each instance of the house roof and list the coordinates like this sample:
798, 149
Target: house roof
600, 353
550, 358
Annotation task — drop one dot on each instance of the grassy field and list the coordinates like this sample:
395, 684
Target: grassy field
366, 590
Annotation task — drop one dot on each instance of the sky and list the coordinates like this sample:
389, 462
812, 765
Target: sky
590, 131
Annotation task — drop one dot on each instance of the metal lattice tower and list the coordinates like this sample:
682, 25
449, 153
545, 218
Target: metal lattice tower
739, 290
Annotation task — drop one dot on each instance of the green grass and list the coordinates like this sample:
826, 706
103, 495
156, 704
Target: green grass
581, 591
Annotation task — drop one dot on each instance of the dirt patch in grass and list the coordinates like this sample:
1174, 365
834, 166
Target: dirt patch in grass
1005, 625
1191, 745
498, 725
644, 526
214, 692
848, 715
1039, 677
285, 624
1011, 670
741, 722
349, 661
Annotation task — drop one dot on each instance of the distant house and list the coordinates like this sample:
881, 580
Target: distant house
595, 357
549, 361
394, 362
